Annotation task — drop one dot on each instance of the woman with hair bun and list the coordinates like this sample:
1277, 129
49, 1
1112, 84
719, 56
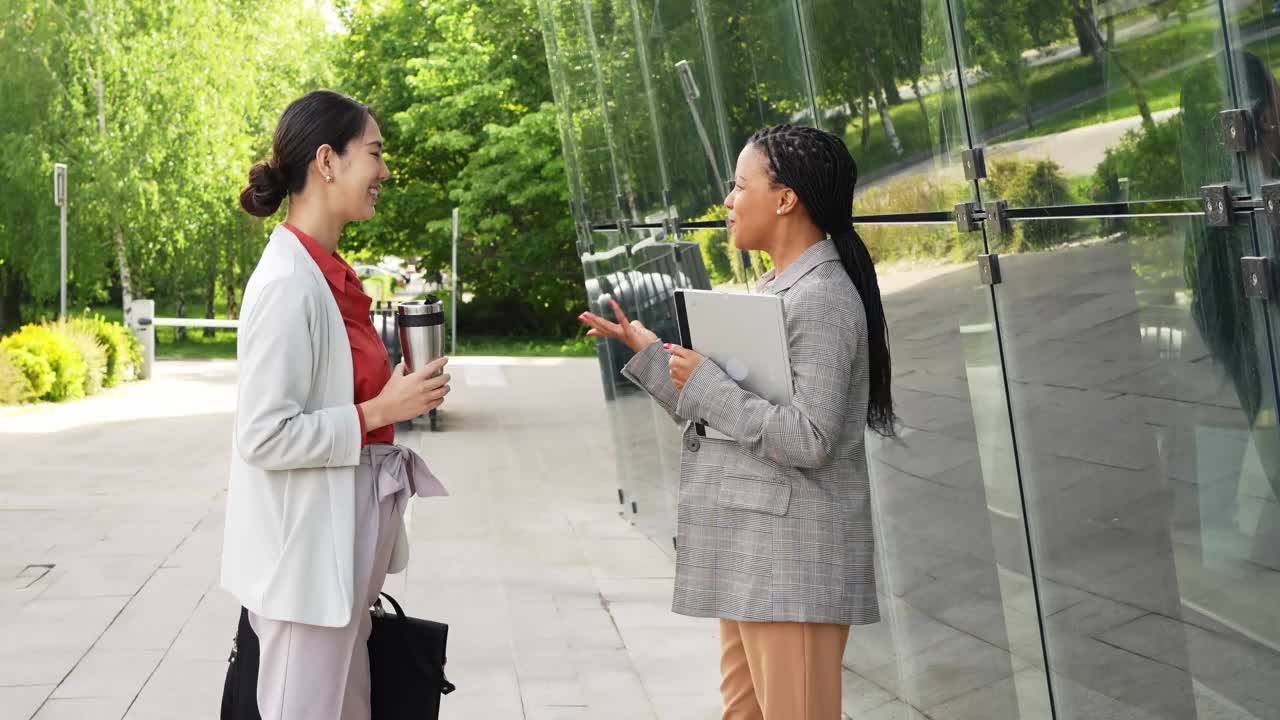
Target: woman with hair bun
318, 488
774, 533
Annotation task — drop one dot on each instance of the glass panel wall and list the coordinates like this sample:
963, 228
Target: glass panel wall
959, 637
1141, 395
1080, 517
894, 97
1087, 95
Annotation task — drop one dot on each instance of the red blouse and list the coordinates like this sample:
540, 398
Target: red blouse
368, 355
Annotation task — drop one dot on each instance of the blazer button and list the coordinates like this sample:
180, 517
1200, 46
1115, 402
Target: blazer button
693, 444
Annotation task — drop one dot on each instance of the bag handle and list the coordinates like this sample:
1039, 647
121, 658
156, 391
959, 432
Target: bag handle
394, 604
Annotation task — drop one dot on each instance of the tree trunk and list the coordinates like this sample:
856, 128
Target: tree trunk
1139, 95
122, 262
10, 300
942, 115
182, 312
122, 258
924, 111
866, 122
229, 280
891, 92
210, 297
887, 121
1084, 38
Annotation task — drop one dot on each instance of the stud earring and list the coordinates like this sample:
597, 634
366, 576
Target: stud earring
328, 178
779, 211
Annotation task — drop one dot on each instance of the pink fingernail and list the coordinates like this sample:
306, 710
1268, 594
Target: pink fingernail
666, 346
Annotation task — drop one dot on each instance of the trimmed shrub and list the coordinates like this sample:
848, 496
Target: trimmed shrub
34, 377
1038, 183
91, 351
1150, 159
123, 352
60, 352
913, 194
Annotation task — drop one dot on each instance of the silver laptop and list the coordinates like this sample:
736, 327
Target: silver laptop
746, 335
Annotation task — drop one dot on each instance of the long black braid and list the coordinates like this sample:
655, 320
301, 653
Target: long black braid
817, 166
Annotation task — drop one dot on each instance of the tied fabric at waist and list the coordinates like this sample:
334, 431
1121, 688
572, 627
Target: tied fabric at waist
398, 468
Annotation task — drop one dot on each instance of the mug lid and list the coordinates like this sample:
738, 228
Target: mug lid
431, 305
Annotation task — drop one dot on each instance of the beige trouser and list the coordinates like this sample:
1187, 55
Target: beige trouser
781, 671
309, 672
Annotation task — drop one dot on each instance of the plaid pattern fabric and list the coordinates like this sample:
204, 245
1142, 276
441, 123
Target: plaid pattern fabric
776, 525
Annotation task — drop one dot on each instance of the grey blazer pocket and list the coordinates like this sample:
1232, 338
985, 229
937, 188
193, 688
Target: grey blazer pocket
756, 494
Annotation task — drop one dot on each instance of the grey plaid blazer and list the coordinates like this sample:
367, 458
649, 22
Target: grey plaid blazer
776, 524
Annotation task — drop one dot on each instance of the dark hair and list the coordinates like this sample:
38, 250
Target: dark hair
817, 166
321, 117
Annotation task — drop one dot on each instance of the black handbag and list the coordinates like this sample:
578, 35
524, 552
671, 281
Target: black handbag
406, 668
406, 665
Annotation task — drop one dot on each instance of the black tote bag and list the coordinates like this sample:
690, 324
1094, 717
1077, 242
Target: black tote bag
406, 667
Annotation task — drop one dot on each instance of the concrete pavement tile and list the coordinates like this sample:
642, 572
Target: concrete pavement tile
38, 667
208, 633
859, 696
944, 671
178, 688
896, 710
537, 693
100, 576
109, 673
20, 702
84, 709
154, 617
1022, 697
632, 558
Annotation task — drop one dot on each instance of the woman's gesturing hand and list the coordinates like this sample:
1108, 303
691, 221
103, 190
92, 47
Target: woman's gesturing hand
631, 333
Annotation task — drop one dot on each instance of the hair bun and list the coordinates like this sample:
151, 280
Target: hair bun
266, 190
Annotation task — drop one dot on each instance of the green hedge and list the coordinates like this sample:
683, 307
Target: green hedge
66, 361
123, 352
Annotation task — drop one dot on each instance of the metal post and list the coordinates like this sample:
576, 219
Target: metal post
453, 293
142, 315
60, 199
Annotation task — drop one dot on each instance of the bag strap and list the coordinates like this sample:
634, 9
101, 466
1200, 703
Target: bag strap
394, 604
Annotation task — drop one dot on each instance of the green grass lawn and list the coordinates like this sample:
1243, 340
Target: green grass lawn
223, 343
990, 104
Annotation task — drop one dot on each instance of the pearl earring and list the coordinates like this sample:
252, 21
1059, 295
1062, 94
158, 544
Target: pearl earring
328, 178
779, 211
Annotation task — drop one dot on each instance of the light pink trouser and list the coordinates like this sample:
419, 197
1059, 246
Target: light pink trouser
309, 672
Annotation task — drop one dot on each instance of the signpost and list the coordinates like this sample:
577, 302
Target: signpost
60, 199
453, 281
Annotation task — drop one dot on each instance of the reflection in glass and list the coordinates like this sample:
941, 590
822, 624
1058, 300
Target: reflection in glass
892, 94
583, 113
1142, 395
959, 637
1088, 95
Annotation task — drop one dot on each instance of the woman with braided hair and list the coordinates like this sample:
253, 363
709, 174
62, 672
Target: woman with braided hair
774, 532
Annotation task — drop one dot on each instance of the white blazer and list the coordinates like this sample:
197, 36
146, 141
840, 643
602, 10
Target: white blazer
289, 543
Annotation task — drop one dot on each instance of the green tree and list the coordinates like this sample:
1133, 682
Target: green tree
137, 98
462, 91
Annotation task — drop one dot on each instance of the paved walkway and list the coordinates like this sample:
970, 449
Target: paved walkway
111, 523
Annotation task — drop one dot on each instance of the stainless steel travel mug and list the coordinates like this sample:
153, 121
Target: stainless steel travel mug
421, 325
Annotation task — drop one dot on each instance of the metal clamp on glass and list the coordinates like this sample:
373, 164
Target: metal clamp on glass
998, 217
671, 227
1271, 204
1237, 130
975, 163
1221, 203
1258, 280
969, 216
